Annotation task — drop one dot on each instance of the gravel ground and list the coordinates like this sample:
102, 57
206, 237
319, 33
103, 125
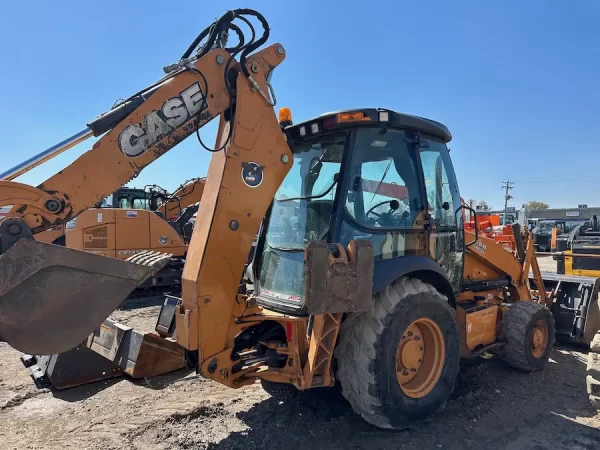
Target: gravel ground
493, 407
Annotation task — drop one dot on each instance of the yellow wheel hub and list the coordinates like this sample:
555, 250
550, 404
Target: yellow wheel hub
539, 339
420, 358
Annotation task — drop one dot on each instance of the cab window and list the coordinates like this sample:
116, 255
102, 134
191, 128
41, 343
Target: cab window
443, 198
384, 189
140, 203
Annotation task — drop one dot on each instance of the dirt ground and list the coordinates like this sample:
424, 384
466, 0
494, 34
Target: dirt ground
493, 407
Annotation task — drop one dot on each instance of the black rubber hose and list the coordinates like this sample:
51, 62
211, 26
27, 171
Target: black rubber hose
251, 47
213, 31
197, 41
240, 35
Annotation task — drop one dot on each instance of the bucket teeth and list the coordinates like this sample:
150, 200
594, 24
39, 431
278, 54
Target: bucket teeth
158, 259
150, 258
135, 258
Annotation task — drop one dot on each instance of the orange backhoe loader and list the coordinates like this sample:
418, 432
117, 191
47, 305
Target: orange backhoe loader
380, 294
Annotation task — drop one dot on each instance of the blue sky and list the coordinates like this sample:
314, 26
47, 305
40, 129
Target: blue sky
516, 82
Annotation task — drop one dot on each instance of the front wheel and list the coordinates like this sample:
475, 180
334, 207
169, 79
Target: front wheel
529, 332
397, 364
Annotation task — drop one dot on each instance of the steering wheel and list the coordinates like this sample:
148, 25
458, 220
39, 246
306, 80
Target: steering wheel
394, 205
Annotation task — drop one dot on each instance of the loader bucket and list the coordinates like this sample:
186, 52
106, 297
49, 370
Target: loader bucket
575, 306
53, 297
111, 351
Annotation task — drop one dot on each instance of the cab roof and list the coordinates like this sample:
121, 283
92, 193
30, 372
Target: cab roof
369, 117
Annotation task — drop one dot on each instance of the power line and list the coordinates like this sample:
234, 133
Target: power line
556, 180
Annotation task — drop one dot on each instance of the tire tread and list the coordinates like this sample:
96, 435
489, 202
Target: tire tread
516, 321
360, 334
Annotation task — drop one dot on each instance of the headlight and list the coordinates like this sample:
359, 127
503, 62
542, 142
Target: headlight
71, 224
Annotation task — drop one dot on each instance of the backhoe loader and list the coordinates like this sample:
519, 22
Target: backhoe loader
362, 273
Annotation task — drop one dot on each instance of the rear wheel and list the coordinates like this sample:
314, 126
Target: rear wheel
397, 364
529, 332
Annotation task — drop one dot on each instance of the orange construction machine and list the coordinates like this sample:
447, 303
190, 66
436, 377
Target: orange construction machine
155, 221
349, 284
488, 225
134, 221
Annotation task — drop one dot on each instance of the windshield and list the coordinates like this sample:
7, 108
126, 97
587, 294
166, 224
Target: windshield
304, 201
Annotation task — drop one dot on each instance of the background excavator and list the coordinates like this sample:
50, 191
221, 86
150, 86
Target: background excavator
381, 294
122, 197
168, 207
134, 223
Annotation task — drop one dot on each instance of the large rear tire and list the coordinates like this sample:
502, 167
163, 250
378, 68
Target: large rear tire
529, 332
397, 364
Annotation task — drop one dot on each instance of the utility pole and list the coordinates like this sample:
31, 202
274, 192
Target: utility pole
507, 186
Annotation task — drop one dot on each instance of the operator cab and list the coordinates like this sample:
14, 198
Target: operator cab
363, 174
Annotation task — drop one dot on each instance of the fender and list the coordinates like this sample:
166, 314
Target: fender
422, 267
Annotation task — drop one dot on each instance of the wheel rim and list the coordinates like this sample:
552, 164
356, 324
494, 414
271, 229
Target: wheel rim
539, 339
420, 358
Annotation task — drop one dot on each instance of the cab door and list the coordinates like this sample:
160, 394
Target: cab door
446, 233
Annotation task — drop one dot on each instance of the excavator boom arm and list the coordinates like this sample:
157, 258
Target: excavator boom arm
187, 194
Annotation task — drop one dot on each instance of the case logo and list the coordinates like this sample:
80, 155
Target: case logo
135, 139
480, 246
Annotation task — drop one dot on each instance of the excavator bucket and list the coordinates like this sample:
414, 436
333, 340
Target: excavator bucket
53, 297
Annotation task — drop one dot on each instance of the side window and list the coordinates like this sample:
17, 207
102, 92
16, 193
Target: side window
442, 191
